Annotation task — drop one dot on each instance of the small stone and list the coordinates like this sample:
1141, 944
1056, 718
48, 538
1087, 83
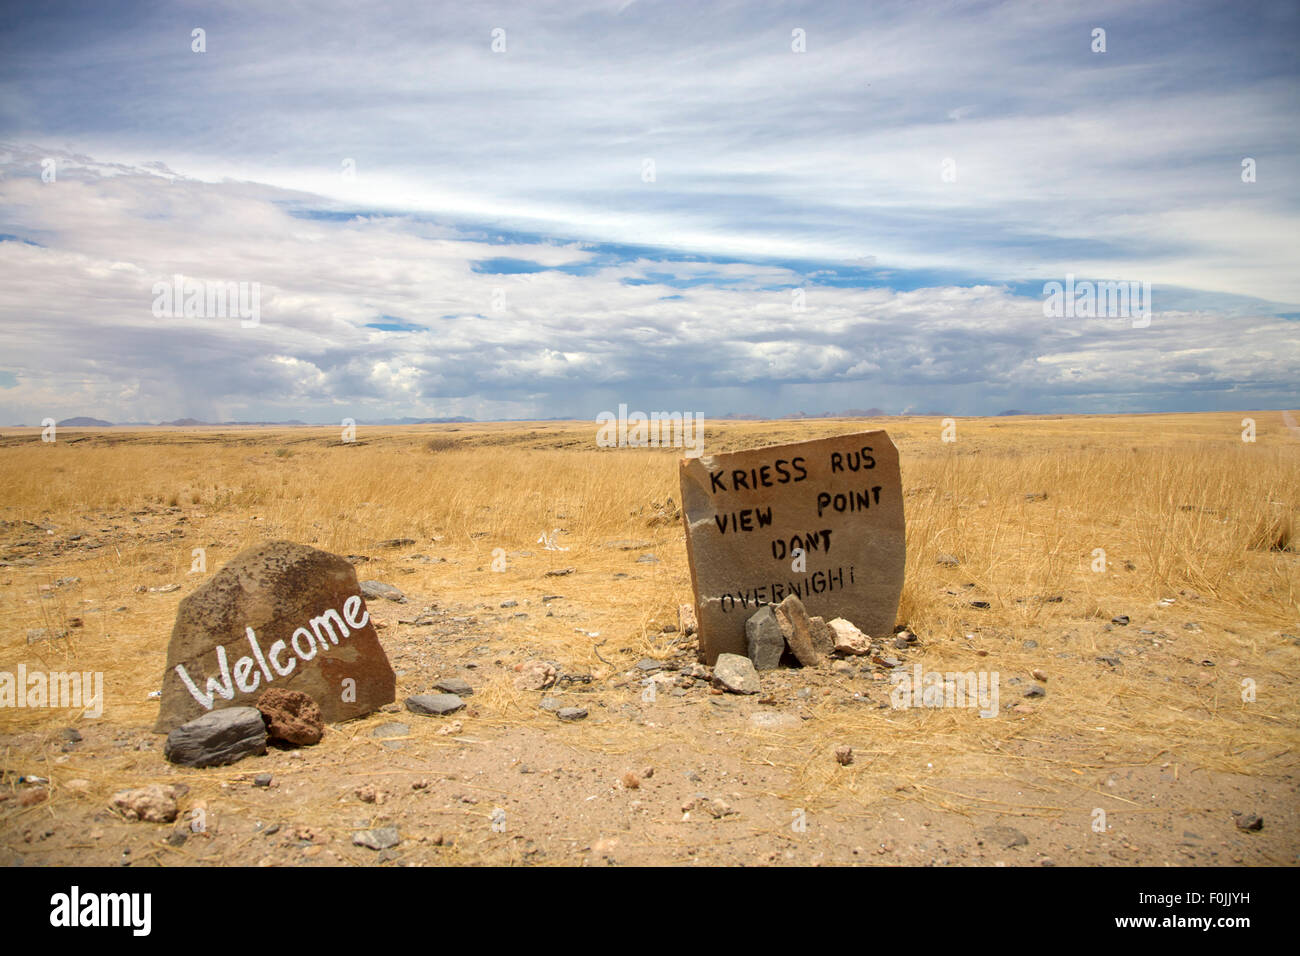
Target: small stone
735, 674
31, 796
151, 804
1036, 691
1121, 620
571, 713
217, 738
451, 729
535, 675
848, 639
370, 794
631, 781
262, 780
394, 729
1250, 821
1039, 675
378, 589
395, 543
454, 685
947, 560
771, 720
70, 734
177, 838
844, 755
434, 704
1003, 836
383, 838
647, 559
560, 573
551, 703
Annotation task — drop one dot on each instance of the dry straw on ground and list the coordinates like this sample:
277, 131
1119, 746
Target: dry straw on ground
1182, 508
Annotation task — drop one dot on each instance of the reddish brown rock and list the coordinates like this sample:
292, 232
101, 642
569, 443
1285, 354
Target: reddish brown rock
291, 716
822, 520
279, 615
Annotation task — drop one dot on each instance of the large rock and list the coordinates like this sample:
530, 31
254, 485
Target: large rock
291, 716
764, 641
218, 738
822, 520
278, 615
793, 618
735, 674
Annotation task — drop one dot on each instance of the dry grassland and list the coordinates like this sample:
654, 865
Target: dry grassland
1160, 738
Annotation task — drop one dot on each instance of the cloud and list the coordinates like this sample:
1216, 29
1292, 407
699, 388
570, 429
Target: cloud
440, 229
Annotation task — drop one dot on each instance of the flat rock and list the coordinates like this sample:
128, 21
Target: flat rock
454, 685
628, 544
764, 641
1003, 837
291, 716
434, 704
735, 674
383, 838
774, 720
277, 615
838, 500
571, 713
378, 589
218, 738
392, 729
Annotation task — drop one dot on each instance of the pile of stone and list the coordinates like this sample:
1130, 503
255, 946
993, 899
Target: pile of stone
779, 632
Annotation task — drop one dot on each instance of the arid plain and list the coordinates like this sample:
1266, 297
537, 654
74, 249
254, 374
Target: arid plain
1143, 565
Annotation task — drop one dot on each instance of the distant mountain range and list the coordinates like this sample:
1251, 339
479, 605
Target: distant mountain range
83, 421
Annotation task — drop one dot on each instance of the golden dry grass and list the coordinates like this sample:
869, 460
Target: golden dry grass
1180, 505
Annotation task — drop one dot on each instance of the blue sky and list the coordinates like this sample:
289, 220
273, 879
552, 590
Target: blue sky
437, 228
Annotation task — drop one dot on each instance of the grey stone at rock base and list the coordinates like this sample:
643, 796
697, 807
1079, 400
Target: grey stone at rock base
218, 738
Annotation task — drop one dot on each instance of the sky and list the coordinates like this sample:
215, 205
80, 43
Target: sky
537, 210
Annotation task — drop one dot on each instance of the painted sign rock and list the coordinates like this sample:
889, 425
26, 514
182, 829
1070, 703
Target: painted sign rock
279, 615
821, 520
